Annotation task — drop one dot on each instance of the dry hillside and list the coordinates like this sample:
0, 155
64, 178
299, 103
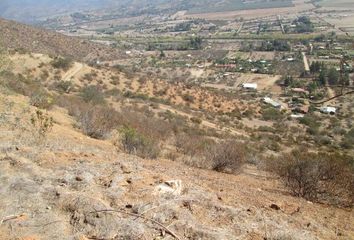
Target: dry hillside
75, 187
19, 36
116, 153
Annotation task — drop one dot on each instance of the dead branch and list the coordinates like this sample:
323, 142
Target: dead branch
143, 217
329, 99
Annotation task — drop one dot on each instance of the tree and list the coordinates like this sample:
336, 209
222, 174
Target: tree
322, 78
333, 76
288, 80
4, 61
196, 43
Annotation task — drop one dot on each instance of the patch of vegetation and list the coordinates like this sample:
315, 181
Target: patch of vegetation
92, 94
272, 114
41, 99
42, 123
62, 63
134, 142
327, 177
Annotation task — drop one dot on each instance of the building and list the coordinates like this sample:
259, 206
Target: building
250, 86
272, 102
300, 91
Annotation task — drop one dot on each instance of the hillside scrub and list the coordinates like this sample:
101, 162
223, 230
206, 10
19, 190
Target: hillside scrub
203, 152
4, 61
136, 143
62, 63
92, 94
323, 177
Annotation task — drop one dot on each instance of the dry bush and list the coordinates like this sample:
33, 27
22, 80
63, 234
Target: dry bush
327, 177
97, 121
227, 156
42, 124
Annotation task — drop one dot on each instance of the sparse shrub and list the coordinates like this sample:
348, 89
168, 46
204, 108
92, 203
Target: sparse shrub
42, 124
41, 99
134, 142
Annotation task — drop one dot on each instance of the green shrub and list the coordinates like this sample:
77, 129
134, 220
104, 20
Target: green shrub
134, 142
272, 114
62, 63
196, 120
92, 94
63, 86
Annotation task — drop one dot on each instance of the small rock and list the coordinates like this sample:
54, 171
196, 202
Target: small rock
173, 187
274, 206
78, 178
125, 169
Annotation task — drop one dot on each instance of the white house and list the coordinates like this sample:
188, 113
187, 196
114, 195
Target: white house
250, 86
272, 102
328, 110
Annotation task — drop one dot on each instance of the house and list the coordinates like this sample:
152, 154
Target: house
328, 110
300, 90
250, 86
272, 102
297, 115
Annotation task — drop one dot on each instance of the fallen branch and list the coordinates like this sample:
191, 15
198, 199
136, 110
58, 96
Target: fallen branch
11, 217
141, 216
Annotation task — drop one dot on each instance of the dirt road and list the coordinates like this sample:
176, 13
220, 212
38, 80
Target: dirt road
306, 62
73, 71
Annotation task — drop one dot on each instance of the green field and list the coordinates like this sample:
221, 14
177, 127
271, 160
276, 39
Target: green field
233, 5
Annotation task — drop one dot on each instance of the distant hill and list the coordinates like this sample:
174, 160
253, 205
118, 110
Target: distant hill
20, 36
32, 11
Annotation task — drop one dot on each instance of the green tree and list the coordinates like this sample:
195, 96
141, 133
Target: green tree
322, 78
196, 43
333, 76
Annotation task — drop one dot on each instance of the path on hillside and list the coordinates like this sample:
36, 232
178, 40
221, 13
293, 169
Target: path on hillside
73, 71
306, 63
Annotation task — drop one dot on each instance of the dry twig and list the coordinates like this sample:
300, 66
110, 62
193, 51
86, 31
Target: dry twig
143, 217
